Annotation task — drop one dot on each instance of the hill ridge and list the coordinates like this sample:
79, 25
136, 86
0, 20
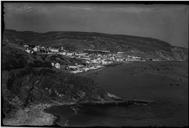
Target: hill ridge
76, 40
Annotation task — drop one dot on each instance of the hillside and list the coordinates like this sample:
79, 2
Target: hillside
141, 46
29, 81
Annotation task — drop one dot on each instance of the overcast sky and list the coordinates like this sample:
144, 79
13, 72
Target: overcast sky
165, 22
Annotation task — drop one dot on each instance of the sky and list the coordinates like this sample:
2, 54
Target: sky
165, 22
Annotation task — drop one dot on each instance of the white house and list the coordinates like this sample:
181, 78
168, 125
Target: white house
73, 67
35, 49
28, 51
86, 69
119, 59
52, 64
57, 65
99, 66
53, 50
120, 52
76, 71
104, 62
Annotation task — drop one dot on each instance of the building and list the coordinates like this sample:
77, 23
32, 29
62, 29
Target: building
63, 53
28, 51
53, 50
69, 54
120, 54
52, 64
57, 65
35, 49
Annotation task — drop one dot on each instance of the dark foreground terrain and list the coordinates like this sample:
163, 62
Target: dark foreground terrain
30, 84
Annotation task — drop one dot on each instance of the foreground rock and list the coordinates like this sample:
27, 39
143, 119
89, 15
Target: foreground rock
28, 87
32, 115
31, 91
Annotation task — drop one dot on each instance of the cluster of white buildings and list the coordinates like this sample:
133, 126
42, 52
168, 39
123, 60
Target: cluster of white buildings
93, 60
133, 58
56, 65
82, 68
76, 68
41, 49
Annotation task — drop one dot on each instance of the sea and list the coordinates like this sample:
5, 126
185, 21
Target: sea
169, 106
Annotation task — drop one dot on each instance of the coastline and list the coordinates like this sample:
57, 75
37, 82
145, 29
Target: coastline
53, 119
33, 115
100, 69
71, 110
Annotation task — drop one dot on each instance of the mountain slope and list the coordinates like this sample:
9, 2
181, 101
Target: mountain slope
147, 47
29, 80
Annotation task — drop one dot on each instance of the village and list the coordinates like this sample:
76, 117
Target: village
94, 59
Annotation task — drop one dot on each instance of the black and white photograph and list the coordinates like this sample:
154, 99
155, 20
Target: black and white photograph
94, 64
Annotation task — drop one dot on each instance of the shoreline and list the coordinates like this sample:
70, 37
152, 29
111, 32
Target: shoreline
33, 115
99, 104
54, 118
100, 69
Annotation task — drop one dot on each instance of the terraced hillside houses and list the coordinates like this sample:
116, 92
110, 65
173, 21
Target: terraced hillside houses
93, 59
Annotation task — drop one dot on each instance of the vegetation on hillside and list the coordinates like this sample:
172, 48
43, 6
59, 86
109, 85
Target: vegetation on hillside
91, 40
30, 79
